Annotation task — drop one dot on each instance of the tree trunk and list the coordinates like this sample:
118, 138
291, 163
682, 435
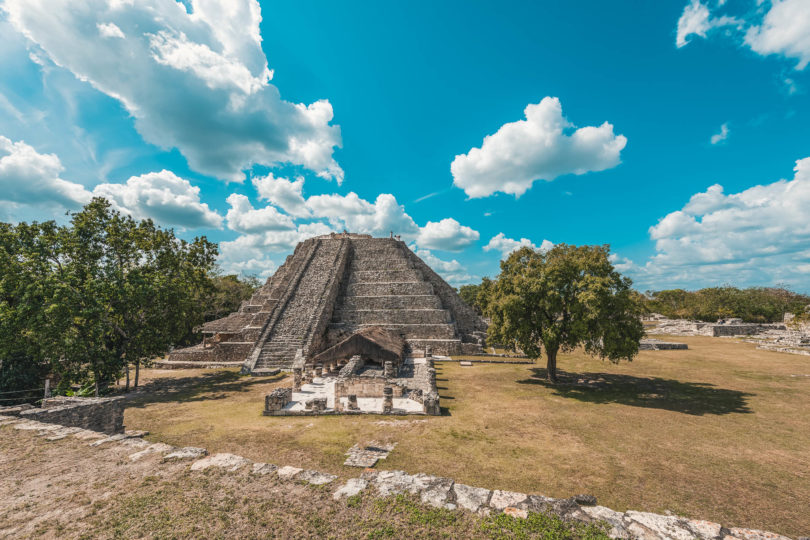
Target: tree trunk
137, 371
126, 368
551, 365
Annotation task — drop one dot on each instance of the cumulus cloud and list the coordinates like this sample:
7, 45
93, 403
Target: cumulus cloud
452, 271
354, 214
283, 193
500, 242
197, 81
782, 29
242, 217
28, 177
542, 147
717, 138
162, 196
759, 235
447, 234
785, 30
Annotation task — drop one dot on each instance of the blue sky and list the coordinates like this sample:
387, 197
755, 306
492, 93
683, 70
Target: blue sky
677, 132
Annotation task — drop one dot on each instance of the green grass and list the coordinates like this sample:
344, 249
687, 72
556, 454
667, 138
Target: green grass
717, 432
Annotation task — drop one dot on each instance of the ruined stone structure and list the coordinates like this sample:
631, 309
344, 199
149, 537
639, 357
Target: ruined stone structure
330, 288
105, 415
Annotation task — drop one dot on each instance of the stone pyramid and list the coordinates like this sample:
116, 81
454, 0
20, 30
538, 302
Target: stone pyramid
331, 287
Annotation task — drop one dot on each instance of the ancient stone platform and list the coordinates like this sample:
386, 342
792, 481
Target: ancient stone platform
331, 287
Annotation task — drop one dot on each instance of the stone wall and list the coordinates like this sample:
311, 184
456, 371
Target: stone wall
364, 387
96, 414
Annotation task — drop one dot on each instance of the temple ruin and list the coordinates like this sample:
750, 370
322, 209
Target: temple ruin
365, 310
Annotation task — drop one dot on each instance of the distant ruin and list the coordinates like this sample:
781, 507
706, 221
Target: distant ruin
316, 311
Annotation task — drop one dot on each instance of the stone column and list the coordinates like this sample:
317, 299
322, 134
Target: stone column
388, 399
353, 403
318, 370
388, 369
297, 377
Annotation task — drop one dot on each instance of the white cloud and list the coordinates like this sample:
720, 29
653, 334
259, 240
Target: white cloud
242, 217
162, 196
447, 234
697, 21
354, 214
452, 271
541, 147
500, 242
760, 235
28, 177
721, 136
283, 193
109, 30
784, 29
198, 81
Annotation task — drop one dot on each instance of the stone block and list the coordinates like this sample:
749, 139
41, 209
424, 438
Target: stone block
229, 462
187, 452
470, 498
352, 487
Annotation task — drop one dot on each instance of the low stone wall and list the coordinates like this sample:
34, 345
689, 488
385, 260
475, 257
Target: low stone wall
96, 414
725, 330
364, 387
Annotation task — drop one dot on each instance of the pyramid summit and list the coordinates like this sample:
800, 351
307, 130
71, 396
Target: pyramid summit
332, 287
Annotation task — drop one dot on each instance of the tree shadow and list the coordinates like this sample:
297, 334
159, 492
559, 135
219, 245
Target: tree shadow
655, 393
208, 386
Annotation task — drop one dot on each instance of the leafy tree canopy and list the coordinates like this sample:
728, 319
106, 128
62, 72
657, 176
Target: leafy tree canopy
104, 292
566, 297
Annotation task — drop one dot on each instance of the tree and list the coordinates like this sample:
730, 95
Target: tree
563, 298
98, 295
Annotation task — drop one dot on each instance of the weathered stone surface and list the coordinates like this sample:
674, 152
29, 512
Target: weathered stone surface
87, 435
98, 414
705, 530
187, 452
263, 469
316, 478
157, 448
647, 525
611, 517
439, 491
471, 498
396, 482
352, 487
584, 500
288, 473
111, 438
229, 462
502, 499
368, 454
515, 512
753, 534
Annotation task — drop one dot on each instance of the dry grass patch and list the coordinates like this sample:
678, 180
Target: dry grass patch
720, 431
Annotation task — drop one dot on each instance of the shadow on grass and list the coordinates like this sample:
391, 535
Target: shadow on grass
655, 393
205, 387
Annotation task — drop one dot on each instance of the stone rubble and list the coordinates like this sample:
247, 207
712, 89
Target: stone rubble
368, 455
229, 462
187, 452
435, 491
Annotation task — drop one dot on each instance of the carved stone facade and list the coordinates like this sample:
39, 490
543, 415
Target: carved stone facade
330, 288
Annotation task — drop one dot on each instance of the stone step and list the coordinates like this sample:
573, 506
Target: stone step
387, 275
409, 331
424, 301
368, 265
399, 316
393, 288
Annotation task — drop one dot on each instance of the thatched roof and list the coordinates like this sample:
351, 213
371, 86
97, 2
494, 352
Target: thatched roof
231, 324
373, 342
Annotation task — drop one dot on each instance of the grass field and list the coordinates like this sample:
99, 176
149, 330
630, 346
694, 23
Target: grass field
720, 431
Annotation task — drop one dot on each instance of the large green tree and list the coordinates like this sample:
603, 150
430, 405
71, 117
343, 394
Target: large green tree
563, 298
100, 294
